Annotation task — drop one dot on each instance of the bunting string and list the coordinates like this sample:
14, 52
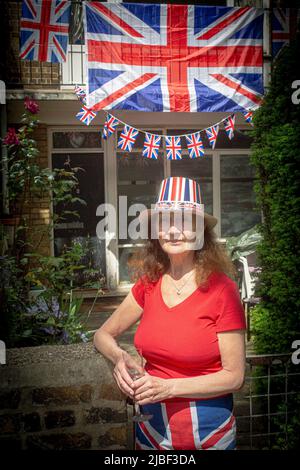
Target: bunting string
152, 141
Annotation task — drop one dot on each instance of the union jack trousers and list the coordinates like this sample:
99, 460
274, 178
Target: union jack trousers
188, 425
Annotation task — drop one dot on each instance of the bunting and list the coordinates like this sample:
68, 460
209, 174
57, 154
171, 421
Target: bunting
152, 142
86, 115
173, 148
127, 138
194, 145
229, 125
151, 145
110, 126
212, 134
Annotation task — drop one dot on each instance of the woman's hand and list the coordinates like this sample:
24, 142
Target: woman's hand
124, 364
151, 389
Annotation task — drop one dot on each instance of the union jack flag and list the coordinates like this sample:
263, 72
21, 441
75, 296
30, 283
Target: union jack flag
110, 126
80, 93
173, 148
284, 27
127, 138
151, 145
166, 57
229, 125
44, 30
188, 425
248, 115
85, 115
212, 134
194, 145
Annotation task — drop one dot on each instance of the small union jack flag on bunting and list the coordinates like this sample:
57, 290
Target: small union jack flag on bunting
194, 145
80, 93
44, 30
151, 145
127, 138
229, 125
248, 115
212, 134
173, 147
110, 126
85, 115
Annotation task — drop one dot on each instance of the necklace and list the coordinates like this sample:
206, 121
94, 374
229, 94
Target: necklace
178, 290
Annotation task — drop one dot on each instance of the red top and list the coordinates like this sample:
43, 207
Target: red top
181, 341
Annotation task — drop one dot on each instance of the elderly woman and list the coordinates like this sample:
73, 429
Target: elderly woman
190, 333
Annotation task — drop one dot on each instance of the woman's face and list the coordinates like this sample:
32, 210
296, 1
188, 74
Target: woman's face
177, 231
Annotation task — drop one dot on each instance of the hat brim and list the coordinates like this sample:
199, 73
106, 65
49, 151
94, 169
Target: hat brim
209, 220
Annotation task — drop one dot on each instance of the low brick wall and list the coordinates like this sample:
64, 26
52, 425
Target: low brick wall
62, 397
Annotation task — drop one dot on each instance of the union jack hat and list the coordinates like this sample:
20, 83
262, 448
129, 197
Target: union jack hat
179, 193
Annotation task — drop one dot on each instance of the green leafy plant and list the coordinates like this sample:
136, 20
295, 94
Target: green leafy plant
55, 315
276, 157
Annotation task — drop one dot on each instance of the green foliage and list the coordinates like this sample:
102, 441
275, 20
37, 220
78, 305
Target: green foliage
276, 157
53, 317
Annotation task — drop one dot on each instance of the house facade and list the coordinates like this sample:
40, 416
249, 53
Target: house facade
225, 175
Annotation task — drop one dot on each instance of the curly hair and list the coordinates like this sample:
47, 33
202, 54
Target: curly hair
152, 261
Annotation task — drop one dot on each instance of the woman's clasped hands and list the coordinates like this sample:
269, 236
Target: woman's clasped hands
151, 389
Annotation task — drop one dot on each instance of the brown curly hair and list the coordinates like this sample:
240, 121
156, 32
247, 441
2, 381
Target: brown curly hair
153, 261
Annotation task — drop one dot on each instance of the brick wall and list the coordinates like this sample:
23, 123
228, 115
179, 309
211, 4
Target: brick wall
61, 397
37, 209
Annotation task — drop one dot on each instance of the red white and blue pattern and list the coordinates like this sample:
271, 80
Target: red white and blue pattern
194, 145
85, 115
127, 138
44, 30
168, 57
179, 191
110, 126
284, 27
80, 93
188, 425
173, 147
151, 145
248, 115
212, 134
229, 125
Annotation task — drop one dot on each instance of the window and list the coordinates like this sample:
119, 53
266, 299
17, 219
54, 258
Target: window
139, 179
238, 207
83, 150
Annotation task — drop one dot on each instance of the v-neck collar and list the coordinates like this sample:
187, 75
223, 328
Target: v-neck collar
183, 302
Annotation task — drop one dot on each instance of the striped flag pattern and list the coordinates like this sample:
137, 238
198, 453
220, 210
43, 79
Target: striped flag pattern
212, 134
188, 425
85, 115
229, 125
151, 145
127, 138
194, 145
110, 126
173, 148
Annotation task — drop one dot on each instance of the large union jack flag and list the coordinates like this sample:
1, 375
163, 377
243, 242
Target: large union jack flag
165, 57
44, 30
190, 425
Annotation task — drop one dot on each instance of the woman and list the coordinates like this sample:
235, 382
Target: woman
191, 332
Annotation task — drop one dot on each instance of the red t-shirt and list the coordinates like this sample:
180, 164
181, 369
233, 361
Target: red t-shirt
181, 341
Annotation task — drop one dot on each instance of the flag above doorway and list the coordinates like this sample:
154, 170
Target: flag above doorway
166, 57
